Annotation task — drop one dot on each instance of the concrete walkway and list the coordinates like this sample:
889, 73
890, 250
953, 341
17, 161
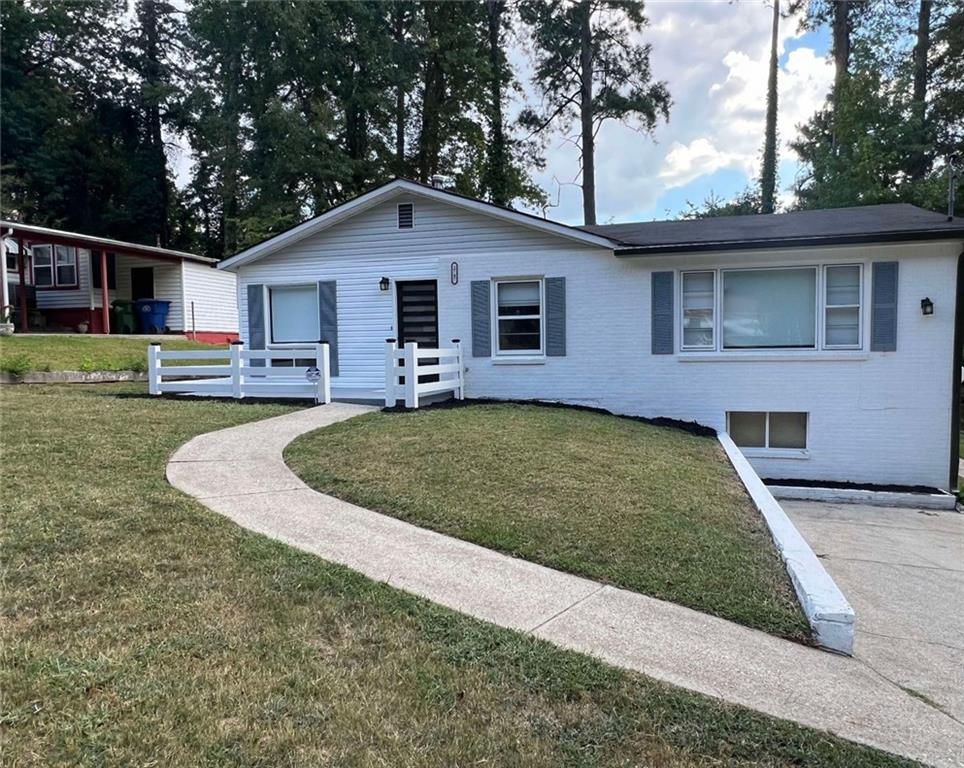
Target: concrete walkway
239, 472
903, 572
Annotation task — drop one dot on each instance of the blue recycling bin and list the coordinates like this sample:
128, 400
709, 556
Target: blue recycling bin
151, 315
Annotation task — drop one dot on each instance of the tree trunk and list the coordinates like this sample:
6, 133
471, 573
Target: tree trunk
398, 35
497, 181
152, 75
586, 117
429, 141
768, 174
921, 50
231, 170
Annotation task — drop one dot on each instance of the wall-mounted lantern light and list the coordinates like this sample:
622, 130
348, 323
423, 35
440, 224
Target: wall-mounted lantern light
384, 283
926, 306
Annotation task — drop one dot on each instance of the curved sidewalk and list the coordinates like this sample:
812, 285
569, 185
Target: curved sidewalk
240, 473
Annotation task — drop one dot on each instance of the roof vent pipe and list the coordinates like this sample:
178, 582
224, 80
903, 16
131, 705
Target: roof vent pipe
440, 181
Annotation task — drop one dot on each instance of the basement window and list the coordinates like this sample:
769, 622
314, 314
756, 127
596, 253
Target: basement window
768, 430
406, 215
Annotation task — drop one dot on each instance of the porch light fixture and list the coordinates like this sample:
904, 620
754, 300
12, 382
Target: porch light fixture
926, 307
384, 283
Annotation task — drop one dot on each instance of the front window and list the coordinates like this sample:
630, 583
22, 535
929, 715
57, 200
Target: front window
699, 308
777, 430
294, 314
770, 308
66, 265
43, 270
842, 307
519, 317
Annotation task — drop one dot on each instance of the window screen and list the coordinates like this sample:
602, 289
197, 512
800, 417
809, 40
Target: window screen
66, 265
43, 270
294, 313
842, 327
698, 309
770, 308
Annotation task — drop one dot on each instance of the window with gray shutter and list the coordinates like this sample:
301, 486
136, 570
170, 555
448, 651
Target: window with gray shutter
256, 321
556, 316
662, 313
883, 309
481, 319
328, 320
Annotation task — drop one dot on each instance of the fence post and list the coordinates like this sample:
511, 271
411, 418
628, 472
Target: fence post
391, 372
237, 389
153, 368
460, 392
411, 374
323, 361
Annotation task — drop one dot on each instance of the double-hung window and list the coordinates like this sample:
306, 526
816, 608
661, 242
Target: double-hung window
518, 316
66, 265
54, 266
43, 268
699, 310
842, 307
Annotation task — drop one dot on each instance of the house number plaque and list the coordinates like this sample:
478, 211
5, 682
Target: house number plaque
454, 272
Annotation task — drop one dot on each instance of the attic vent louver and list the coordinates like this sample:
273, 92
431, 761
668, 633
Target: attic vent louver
406, 215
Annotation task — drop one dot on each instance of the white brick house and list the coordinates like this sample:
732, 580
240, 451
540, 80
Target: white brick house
801, 334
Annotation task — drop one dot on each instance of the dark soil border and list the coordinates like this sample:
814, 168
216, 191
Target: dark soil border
849, 486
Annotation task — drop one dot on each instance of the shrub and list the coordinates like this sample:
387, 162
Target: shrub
17, 365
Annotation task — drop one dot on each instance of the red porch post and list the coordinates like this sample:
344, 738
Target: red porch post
104, 292
22, 268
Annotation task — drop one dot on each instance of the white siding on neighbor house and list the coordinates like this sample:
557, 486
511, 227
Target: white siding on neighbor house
874, 417
214, 295
357, 253
167, 285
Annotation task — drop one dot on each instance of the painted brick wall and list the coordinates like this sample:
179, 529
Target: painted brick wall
874, 417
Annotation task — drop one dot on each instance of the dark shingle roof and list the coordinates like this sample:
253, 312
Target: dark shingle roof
870, 223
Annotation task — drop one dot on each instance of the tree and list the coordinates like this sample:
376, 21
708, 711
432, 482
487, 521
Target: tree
746, 203
768, 174
588, 64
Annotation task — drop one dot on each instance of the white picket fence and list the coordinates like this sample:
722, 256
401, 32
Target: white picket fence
404, 367
244, 372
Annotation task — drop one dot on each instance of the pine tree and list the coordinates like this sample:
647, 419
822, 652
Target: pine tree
587, 67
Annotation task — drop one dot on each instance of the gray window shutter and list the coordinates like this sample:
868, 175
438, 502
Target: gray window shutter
481, 319
328, 317
556, 316
256, 324
662, 313
883, 310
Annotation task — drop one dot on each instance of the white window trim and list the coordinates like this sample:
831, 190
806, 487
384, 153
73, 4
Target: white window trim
72, 252
699, 348
860, 308
765, 451
33, 266
518, 354
397, 216
270, 343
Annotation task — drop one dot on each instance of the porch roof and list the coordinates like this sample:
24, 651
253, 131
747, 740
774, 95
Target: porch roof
30, 233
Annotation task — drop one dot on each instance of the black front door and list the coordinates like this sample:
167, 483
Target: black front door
142, 283
417, 307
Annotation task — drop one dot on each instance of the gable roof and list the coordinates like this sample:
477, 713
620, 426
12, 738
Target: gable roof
836, 226
398, 187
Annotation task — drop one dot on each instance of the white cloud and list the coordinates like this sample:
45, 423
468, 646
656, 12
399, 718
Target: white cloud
714, 58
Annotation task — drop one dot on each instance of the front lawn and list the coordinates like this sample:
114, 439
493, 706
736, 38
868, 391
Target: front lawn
139, 628
653, 509
77, 352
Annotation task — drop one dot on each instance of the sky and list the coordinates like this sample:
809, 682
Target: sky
713, 57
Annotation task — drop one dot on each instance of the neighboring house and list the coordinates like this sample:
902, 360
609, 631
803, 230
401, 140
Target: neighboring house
65, 273
802, 334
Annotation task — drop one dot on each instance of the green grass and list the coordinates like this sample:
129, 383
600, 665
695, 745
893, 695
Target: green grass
67, 352
653, 509
139, 628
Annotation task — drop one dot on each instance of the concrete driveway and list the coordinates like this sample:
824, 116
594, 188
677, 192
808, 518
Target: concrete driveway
903, 572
